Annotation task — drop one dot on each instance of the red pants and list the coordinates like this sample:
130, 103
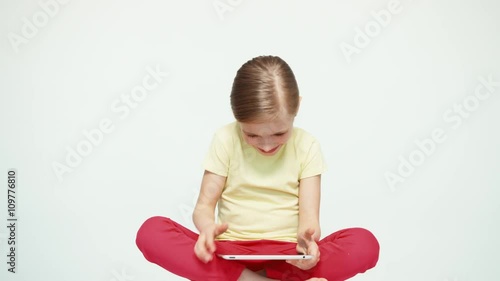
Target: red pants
168, 244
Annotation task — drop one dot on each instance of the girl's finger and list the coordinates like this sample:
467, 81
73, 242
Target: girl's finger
200, 251
221, 228
209, 243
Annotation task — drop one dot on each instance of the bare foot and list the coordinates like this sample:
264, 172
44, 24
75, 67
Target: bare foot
317, 279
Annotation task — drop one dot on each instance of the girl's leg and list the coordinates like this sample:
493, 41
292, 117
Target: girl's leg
248, 275
170, 245
344, 254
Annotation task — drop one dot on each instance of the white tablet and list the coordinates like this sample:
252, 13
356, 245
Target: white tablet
266, 257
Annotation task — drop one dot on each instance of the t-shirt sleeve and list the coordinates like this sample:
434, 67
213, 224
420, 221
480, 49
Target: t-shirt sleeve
314, 162
217, 157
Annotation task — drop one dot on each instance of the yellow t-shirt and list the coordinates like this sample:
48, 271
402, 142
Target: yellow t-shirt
260, 197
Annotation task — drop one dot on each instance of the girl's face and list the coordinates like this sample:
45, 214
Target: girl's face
268, 137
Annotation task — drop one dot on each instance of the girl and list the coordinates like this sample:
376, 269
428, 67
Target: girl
264, 175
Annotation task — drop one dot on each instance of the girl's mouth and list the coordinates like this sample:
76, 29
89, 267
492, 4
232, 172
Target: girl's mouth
270, 151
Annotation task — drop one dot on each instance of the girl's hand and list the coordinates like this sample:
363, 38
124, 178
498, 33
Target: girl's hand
306, 244
205, 246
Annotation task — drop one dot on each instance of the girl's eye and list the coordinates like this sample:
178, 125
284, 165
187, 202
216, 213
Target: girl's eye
276, 135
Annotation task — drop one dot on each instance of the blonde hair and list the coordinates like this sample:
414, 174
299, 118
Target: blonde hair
263, 87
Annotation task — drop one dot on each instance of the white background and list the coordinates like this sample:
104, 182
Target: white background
367, 109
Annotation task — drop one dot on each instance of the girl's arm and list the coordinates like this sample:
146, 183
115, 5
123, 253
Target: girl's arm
309, 231
210, 192
203, 215
309, 200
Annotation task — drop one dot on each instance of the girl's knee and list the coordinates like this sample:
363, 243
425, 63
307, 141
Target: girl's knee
367, 245
367, 238
148, 228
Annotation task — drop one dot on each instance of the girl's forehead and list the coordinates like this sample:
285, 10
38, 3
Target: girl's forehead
278, 125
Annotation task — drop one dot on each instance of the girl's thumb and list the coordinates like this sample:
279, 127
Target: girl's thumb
221, 228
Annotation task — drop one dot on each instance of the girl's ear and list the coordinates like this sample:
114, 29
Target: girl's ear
298, 106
